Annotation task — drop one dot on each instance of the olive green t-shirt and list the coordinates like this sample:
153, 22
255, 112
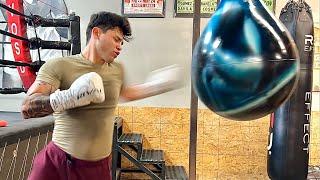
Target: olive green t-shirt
84, 132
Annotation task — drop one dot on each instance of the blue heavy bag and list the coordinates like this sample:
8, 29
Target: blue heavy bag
289, 133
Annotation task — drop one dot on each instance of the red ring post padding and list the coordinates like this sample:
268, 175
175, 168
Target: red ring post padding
21, 52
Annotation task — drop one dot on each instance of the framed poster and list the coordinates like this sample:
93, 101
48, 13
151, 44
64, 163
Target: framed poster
143, 8
184, 8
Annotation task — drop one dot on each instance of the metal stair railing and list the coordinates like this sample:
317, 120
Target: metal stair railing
117, 151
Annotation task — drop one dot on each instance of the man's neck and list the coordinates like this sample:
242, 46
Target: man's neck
90, 54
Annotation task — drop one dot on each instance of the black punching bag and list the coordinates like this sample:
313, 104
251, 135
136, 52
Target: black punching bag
288, 149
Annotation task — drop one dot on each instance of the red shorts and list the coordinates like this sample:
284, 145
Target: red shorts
52, 163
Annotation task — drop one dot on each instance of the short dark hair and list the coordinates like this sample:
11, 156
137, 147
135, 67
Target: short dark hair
107, 20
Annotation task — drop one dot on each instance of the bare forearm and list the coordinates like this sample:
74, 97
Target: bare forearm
36, 105
158, 82
145, 90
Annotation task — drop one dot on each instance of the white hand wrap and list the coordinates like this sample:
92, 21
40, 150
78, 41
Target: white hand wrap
87, 89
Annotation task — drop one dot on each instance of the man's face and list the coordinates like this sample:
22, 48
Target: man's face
109, 44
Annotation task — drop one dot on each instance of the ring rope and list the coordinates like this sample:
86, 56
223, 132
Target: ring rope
21, 51
17, 22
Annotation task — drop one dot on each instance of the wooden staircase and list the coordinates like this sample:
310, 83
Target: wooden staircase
148, 161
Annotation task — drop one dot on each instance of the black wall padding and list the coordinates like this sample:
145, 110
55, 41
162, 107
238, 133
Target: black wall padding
289, 136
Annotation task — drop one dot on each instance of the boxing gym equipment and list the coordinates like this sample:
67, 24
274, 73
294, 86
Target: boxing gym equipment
21, 45
86, 89
245, 63
288, 150
21, 140
3, 123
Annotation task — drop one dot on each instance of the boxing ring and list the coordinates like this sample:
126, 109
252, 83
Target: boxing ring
19, 143
22, 139
27, 45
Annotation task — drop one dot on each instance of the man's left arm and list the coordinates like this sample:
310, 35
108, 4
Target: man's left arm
159, 81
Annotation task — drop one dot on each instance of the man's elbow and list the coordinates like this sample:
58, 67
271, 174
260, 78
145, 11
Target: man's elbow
24, 112
35, 106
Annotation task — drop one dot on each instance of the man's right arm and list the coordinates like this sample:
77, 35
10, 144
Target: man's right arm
43, 99
37, 100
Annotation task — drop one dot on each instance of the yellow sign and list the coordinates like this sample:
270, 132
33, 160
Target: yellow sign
207, 6
186, 6
269, 3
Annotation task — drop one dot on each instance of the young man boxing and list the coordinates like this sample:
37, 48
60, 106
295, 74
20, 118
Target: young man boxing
82, 91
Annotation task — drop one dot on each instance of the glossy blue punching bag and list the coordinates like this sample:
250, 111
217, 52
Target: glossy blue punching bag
245, 63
